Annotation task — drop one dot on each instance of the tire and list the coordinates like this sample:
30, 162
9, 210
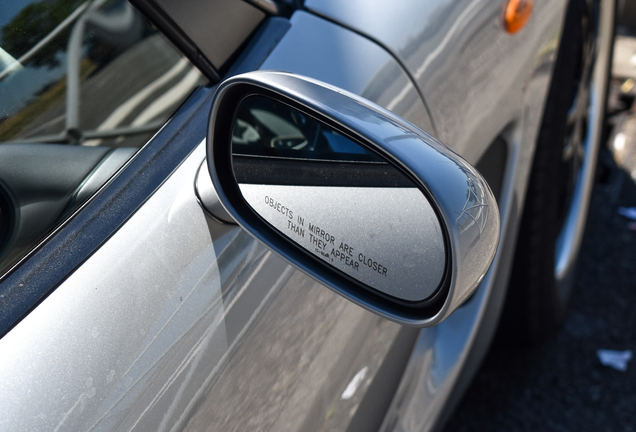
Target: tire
559, 189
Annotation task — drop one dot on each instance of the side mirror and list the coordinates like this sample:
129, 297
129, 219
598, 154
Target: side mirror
354, 196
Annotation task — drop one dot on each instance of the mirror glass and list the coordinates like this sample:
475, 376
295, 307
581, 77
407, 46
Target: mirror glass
339, 201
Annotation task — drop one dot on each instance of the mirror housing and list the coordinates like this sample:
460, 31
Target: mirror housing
458, 243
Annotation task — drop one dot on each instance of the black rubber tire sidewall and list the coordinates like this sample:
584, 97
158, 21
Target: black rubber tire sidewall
535, 306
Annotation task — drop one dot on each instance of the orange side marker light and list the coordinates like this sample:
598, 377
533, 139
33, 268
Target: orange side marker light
516, 14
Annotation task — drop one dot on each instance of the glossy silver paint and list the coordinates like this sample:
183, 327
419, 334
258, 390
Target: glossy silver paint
110, 330
348, 61
387, 238
180, 322
152, 342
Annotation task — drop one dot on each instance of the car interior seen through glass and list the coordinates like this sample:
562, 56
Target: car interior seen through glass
273, 143
82, 85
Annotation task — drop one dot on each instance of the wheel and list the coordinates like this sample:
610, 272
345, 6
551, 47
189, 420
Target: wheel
560, 185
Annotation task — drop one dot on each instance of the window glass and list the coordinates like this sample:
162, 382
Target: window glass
82, 85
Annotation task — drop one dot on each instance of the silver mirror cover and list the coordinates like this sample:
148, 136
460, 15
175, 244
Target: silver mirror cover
465, 207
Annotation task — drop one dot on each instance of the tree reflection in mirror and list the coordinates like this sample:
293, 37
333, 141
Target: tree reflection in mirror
337, 200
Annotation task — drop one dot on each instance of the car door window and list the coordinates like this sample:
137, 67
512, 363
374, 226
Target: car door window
82, 85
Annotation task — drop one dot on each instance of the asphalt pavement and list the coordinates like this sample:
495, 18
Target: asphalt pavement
562, 385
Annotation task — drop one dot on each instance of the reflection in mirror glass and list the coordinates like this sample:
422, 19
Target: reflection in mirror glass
337, 200
266, 127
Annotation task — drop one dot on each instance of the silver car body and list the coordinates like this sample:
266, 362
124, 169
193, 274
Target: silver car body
180, 322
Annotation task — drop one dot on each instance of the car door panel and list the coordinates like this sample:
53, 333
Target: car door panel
178, 321
166, 319
164, 336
